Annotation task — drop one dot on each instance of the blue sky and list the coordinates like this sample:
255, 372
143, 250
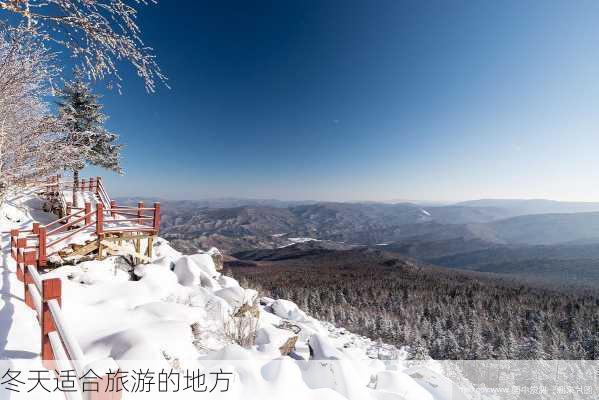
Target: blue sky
365, 100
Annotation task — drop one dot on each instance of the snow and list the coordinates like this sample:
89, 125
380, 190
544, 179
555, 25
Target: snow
190, 274
288, 310
270, 338
81, 198
205, 263
394, 384
323, 349
296, 240
19, 330
236, 296
302, 239
21, 211
172, 312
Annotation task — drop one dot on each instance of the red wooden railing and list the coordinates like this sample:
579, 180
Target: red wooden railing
55, 185
60, 351
108, 218
31, 248
101, 192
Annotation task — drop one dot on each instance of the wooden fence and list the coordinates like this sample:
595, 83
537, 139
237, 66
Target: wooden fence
31, 248
60, 350
106, 219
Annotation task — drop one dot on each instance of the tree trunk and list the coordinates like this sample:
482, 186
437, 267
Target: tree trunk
3, 189
75, 186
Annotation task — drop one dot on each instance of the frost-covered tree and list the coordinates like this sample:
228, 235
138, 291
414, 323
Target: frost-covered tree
84, 119
418, 351
97, 33
32, 140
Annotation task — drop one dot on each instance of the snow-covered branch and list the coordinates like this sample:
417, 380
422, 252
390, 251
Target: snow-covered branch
32, 141
99, 33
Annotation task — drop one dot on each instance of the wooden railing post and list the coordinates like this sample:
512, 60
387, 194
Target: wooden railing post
109, 381
69, 210
14, 234
91, 185
87, 210
29, 259
100, 228
98, 183
113, 208
21, 244
140, 212
156, 222
99, 219
82, 185
51, 290
41, 257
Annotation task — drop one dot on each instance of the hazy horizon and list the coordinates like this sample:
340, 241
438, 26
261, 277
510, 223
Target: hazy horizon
368, 100
422, 202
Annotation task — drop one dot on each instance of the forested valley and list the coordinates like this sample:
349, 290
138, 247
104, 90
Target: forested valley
440, 313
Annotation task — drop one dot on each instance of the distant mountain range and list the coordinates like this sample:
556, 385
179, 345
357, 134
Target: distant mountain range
370, 223
500, 236
222, 202
534, 206
562, 263
503, 207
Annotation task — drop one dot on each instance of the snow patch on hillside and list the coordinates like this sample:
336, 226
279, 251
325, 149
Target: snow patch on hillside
302, 239
295, 240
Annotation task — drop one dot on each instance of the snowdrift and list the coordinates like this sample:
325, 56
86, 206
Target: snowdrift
179, 313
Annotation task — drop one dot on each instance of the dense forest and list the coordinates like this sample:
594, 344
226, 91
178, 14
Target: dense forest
439, 313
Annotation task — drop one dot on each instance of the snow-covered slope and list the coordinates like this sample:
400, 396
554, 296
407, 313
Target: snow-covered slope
180, 313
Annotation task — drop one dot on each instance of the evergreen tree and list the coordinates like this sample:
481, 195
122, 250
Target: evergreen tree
511, 321
452, 349
85, 125
532, 349
508, 348
418, 351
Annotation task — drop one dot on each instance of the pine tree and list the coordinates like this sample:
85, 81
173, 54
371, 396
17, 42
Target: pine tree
85, 124
532, 349
418, 351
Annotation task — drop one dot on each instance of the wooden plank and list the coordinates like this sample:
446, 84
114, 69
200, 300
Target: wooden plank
137, 249
111, 252
126, 237
100, 249
83, 250
150, 246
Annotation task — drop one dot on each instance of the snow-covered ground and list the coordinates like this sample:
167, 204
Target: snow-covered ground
296, 240
179, 313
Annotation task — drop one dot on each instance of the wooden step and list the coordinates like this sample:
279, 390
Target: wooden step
84, 250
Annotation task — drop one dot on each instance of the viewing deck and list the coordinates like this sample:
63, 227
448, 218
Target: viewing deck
85, 229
